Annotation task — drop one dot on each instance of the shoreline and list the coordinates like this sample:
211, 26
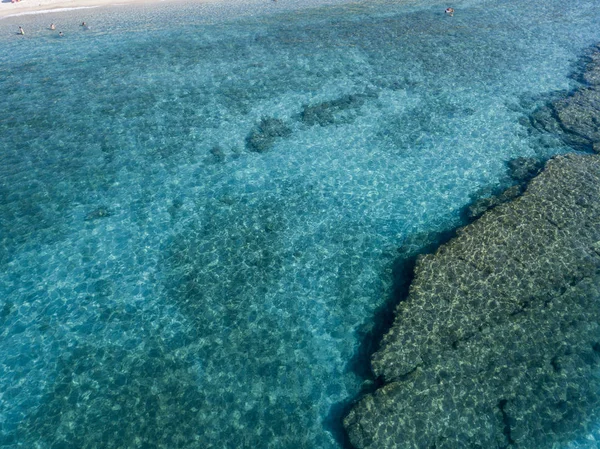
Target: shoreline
36, 8
25, 8
28, 7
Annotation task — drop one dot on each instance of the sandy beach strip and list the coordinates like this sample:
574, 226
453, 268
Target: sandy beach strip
29, 7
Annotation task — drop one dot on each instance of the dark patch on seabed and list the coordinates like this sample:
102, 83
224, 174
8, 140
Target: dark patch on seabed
113, 397
220, 271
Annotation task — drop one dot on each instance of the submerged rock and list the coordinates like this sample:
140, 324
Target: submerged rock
480, 206
263, 137
498, 340
522, 169
577, 116
332, 112
217, 153
101, 212
6, 310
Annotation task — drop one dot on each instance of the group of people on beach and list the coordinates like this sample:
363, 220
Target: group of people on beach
53, 27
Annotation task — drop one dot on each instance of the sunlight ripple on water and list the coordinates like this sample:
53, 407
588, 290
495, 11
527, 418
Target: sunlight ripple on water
200, 208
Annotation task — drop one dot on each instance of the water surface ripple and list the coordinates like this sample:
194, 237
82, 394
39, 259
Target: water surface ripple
200, 211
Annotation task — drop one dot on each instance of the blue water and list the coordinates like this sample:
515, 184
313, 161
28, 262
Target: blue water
164, 286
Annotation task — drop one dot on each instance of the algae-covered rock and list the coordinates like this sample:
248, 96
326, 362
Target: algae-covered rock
579, 114
217, 153
522, 169
591, 73
482, 205
333, 111
100, 212
498, 340
576, 118
263, 137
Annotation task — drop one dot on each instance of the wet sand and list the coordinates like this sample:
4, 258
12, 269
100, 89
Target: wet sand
29, 7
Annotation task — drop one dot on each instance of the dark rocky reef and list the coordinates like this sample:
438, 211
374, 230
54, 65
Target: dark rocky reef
577, 116
264, 136
521, 170
498, 340
96, 214
339, 110
218, 155
334, 111
481, 205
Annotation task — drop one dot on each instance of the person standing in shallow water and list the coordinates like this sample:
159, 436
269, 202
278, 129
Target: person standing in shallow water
52, 26
21, 31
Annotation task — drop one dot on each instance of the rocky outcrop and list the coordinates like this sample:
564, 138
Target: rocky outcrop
522, 169
266, 133
481, 205
498, 342
335, 111
577, 116
269, 130
101, 212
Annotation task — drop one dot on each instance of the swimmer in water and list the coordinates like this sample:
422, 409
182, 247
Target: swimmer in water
450, 11
60, 34
52, 26
21, 30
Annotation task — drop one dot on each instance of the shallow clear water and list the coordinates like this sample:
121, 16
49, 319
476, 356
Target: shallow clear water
163, 285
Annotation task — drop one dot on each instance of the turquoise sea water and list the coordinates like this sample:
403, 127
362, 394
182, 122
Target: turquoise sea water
201, 206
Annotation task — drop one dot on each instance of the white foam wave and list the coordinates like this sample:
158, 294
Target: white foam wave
46, 11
